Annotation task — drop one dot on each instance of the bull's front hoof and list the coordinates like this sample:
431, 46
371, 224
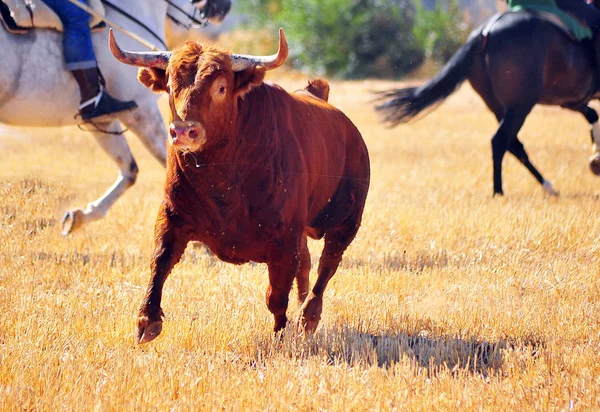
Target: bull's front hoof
307, 325
310, 314
147, 330
280, 323
72, 220
595, 164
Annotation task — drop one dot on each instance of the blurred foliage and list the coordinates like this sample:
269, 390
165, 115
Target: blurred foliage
360, 38
440, 31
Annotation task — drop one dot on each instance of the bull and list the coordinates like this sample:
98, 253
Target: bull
252, 171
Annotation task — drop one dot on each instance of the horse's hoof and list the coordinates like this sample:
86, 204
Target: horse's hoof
72, 220
549, 189
147, 330
595, 164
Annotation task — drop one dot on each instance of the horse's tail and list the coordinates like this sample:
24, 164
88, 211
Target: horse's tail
401, 105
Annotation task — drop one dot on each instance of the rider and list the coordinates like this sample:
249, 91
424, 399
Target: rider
590, 14
81, 61
583, 10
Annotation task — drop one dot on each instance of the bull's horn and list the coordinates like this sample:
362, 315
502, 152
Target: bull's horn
160, 59
241, 61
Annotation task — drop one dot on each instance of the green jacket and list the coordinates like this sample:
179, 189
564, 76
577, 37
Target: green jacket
527, 3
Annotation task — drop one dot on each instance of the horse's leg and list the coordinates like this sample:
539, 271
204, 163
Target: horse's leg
518, 150
148, 125
116, 147
510, 124
479, 80
592, 117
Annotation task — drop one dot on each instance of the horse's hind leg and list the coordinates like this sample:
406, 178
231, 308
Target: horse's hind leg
148, 125
511, 122
518, 150
506, 138
116, 147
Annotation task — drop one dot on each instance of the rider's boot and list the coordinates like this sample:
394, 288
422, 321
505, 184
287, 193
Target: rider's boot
96, 103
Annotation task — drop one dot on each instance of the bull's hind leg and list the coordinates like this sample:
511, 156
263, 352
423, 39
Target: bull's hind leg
302, 277
116, 147
337, 240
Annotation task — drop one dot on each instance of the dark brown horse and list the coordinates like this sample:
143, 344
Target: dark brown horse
515, 63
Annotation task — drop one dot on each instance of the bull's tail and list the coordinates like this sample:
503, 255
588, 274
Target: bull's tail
401, 105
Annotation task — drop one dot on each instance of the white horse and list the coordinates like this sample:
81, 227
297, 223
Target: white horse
36, 90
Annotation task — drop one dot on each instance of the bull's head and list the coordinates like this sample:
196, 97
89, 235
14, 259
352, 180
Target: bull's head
204, 85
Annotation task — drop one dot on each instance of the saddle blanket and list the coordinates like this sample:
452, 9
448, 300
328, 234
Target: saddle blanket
29, 14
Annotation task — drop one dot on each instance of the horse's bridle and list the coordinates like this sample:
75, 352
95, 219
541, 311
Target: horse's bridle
201, 20
192, 20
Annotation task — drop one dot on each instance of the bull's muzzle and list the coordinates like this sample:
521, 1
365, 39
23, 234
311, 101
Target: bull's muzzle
187, 135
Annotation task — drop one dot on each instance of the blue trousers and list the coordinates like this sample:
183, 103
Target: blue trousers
77, 40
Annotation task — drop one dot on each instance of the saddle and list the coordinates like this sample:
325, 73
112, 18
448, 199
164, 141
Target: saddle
22, 16
574, 31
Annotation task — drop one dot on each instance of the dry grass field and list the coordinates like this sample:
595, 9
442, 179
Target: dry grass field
447, 299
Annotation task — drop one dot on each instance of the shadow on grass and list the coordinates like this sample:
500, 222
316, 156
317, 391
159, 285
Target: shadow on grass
415, 261
579, 196
345, 346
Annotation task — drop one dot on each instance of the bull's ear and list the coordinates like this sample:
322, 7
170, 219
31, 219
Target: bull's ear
154, 79
246, 79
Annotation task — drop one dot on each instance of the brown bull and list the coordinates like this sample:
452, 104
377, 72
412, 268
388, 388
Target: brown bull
252, 170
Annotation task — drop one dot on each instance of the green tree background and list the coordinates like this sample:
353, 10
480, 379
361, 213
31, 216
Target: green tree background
362, 38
